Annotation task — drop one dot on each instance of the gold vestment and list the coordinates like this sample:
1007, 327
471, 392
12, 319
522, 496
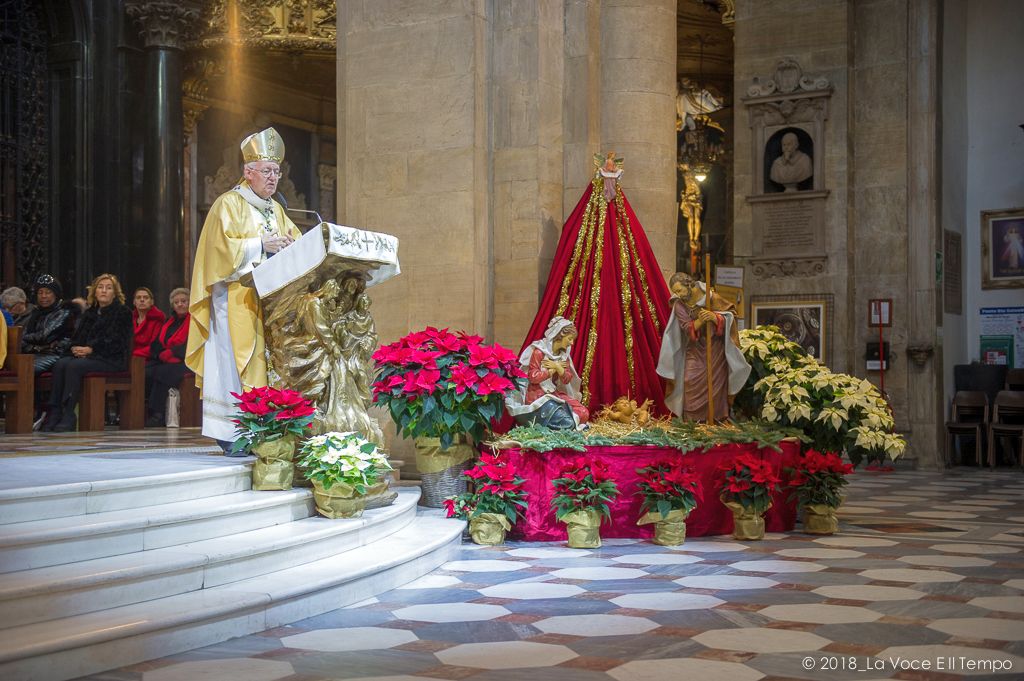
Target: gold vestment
230, 224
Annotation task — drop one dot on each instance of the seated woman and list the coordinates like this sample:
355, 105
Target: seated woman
167, 366
48, 330
147, 319
101, 343
551, 397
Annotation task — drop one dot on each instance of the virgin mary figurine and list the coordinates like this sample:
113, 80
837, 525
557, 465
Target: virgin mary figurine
552, 395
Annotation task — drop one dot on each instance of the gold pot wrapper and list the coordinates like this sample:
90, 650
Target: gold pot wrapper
584, 528
274, 469
747, 524
669, 530
489, 529
430, 458
820, 519
342, 500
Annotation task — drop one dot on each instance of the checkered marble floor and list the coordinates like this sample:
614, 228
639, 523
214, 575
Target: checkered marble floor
111, 439
924, 582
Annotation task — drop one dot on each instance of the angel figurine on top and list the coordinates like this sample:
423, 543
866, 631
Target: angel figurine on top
610, 169
551, 396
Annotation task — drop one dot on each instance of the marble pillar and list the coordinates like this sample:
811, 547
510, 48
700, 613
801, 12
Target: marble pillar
160, 248
637, 109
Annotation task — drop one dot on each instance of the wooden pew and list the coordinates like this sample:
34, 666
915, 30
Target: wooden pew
17, 380
131, 386
190, 414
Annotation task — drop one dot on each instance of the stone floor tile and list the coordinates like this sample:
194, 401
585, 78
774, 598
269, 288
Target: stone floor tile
667, 601
595, 625
820, 613
761, 640
505, 655
451, 612
353, 638
726, 582
683, 668
239, 669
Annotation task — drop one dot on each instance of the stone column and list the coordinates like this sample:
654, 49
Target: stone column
412, 152
925, 402
638, 89
526, 142
160, 243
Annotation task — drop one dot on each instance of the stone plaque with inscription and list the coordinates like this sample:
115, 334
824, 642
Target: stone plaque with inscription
787, 203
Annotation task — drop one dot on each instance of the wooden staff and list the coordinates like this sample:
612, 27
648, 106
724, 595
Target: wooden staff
707, 306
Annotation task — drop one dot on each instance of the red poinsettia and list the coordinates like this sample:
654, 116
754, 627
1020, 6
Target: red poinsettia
818, 478
584, 484
437, 383
749, 480
267, 414
667, 487
498, 490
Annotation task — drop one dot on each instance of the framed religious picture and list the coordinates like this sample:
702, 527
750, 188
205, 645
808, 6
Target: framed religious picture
1002, 248
802, 319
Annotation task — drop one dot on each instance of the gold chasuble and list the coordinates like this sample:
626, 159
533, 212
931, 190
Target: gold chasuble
231, 224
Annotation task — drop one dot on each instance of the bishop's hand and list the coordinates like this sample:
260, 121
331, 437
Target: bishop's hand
272, 243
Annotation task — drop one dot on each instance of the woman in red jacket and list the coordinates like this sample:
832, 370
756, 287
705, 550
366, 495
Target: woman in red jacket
147, 320
167, 358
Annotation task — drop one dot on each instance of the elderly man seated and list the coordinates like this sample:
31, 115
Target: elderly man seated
15, 305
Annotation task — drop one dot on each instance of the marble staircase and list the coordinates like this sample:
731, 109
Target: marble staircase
100, 574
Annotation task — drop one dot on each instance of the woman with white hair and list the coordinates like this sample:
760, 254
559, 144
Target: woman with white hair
167, 367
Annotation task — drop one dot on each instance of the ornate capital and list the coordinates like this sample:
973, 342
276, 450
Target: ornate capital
789, 79
771, 268
164, 24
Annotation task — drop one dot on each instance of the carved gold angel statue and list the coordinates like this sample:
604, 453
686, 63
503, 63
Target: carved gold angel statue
322, 344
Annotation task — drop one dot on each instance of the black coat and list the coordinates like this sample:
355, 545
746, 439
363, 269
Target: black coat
48, 330
108, 331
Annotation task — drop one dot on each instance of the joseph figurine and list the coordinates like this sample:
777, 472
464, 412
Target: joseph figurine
683, 358
225, 341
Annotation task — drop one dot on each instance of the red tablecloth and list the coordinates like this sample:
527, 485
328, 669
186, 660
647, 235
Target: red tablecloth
710, 516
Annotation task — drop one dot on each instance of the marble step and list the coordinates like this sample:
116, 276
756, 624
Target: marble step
57, 541
30, 596
94, 642
25, 504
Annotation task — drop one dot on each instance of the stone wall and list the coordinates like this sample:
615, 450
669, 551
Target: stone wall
881, 222
412, 156
467, 129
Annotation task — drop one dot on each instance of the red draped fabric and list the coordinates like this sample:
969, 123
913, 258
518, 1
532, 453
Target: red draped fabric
709, 518
617, 246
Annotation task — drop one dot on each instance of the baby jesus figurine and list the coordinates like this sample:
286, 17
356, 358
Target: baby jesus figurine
551, 397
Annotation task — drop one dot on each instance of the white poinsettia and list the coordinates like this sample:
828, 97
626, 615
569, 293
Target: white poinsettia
344, 458
837, 411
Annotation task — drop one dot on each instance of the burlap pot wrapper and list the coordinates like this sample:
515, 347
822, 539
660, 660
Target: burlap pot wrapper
820, 519
489, 529
430, 458
584, 529
274, 468
669, 530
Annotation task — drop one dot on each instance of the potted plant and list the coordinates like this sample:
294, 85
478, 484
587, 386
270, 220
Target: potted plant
817, 482
746, 491
269, 424
583, 491
670, 493
442, 388
346, 470
495, 503
837, 412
